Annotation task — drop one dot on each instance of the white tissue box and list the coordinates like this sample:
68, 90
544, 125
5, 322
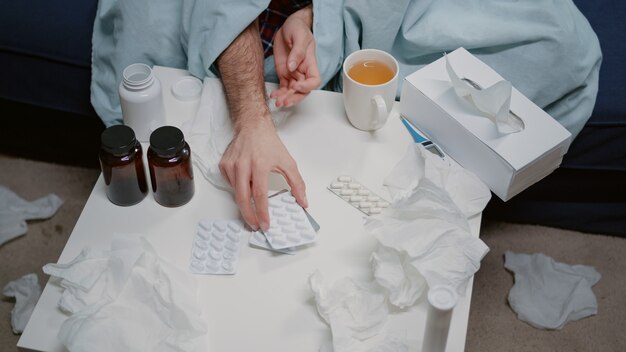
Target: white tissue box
507, 163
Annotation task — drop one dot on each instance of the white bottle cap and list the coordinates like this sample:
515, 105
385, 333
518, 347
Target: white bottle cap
442, 297
187, 89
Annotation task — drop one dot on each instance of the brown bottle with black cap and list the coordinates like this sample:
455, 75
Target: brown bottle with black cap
171, 172
122, 166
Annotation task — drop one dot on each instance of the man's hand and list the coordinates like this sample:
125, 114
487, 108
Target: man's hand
294, 57
255, 152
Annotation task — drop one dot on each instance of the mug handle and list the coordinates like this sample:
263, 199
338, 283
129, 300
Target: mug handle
381, 111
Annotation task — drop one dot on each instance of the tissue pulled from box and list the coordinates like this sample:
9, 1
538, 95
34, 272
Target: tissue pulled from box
494, 101
127, 299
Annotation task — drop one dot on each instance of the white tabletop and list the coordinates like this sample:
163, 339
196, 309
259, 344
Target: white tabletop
267, 305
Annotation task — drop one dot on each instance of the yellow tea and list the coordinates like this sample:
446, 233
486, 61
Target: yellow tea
370, 72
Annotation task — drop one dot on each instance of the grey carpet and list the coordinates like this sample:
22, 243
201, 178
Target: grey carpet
492, 324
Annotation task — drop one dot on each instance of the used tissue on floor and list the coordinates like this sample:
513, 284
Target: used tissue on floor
26, 291
127, 299
548, 294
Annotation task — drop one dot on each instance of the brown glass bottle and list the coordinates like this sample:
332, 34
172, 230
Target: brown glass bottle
122, 166
171, 172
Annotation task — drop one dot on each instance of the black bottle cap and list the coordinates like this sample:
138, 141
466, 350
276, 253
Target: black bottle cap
166, 141
118, 140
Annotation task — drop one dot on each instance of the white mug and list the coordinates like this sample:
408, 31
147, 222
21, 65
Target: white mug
368, 106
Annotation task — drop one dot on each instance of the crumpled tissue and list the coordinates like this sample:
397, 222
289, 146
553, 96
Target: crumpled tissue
26, 291
548, 294
14, 211
426, 225
210, 132
127, 299
494, 101
356, 313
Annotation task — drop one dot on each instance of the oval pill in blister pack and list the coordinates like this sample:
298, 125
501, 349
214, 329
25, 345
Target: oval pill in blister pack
354, 193
257, 239
289, 225
215, 248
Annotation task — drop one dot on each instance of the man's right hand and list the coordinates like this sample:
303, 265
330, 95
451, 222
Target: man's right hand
254, 152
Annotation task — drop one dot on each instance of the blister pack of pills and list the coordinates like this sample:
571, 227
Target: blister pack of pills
215, 248
289, 224
358, 195
257, 239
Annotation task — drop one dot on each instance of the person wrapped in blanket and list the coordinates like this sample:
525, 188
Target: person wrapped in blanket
546, 49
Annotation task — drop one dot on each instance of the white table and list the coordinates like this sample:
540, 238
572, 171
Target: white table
267, 305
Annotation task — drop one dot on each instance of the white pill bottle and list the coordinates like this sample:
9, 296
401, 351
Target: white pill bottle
141, 100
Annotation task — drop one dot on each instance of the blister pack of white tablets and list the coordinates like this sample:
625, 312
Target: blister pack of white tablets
257, 239
215, 248
358, 195
289, 225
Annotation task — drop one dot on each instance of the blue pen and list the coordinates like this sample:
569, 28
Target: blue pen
419, 139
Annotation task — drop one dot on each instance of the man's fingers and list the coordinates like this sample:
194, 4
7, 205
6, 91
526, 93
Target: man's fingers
259, 194
300, 41
295, 181
242, 195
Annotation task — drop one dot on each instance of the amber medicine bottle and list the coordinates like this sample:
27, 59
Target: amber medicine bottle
171, 172
122, 166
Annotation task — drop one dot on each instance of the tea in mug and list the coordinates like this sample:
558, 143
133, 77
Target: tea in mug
370, 72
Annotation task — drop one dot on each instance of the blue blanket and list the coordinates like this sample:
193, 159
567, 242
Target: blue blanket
547, 49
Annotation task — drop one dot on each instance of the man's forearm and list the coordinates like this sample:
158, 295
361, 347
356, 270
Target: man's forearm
241, 70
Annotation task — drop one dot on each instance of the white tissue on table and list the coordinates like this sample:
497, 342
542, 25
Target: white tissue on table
14, 211
356, 312
127, 299
463, 187
494, 101
426, 227
210, 132
26, 291
394, 272
548, 294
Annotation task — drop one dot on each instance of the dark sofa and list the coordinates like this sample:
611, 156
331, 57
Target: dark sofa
45, 58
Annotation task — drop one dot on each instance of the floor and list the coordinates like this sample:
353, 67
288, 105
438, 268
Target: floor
493, 326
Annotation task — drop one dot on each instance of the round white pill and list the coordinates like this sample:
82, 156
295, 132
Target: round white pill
354, 186
217, 246
205, 225
363, 192
297, 217
227, 265
212, 266
365, 204
356, 198
199, 254
288, 229
283, 222
336, 185
228, 255
278, 212
346, 192
215, 254
373, 198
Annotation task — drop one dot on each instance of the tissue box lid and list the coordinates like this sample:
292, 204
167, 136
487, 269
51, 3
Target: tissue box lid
541, 134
